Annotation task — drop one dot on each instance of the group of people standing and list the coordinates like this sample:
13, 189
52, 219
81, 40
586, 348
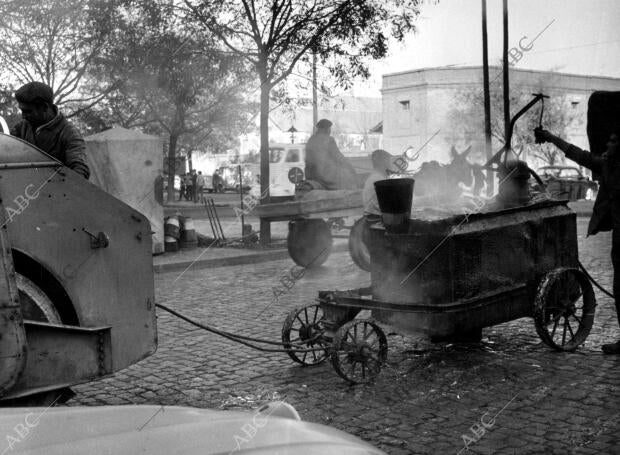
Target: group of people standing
192, 186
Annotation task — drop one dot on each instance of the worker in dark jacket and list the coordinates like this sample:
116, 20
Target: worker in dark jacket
606, 212
44, 126
326, 166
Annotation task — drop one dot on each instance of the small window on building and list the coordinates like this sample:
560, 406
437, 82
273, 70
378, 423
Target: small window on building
574, 104
404, 104
275, 155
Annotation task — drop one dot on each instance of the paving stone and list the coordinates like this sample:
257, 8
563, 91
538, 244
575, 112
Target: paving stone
563, 403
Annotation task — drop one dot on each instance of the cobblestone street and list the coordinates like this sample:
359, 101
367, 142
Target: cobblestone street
509, 394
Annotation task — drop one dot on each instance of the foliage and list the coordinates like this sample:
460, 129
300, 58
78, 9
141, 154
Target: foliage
169, 84
275, 36
467, 117
55, 41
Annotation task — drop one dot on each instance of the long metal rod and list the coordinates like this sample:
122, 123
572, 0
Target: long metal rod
217, 220
241, 197
505, 70
511, 124
29, 165
214, 215
487, 98
207, 208
315, 103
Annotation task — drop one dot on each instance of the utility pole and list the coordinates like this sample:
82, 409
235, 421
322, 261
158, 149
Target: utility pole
487, 98
505, 70
315, 106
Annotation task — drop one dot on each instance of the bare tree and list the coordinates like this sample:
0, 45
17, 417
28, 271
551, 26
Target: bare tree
275, 35
55, 42
468, 113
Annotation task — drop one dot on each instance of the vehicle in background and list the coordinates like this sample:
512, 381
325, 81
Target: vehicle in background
287, 167
226, 178
208, 187
177, 182
568, 182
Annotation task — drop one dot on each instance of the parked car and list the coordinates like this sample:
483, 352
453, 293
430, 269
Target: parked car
287, 166
208, 183
226, 178
568, 182
274, 429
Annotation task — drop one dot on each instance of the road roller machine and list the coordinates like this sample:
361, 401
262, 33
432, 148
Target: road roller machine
77, 298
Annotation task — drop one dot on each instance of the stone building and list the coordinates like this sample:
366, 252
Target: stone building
417, 105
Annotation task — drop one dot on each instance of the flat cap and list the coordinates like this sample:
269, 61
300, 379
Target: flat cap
33, 92
324, 123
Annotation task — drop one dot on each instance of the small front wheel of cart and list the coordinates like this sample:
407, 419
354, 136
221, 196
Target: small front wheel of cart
359, 350
304, 327
309, 242
564, 309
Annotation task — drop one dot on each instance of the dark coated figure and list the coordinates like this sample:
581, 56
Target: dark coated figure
44, 126
606, 212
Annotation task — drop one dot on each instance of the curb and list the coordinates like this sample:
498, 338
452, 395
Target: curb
241, 259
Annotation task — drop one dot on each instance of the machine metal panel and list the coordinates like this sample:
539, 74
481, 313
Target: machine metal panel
52, 215
53, 362
461, 258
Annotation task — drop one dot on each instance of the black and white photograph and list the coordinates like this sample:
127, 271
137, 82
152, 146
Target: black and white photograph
309, 227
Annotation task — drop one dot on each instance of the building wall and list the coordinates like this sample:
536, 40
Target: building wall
352, 118
432, 92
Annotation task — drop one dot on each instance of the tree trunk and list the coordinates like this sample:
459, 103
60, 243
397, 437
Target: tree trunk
172, 149
265, 89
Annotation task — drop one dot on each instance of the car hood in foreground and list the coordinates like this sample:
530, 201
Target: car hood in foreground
167, 430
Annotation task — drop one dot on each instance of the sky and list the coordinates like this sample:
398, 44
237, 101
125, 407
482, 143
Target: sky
569, 36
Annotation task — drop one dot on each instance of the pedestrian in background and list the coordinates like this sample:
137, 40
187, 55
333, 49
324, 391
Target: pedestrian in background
193, 193
182, 186
606, 211
188, 186
200, 184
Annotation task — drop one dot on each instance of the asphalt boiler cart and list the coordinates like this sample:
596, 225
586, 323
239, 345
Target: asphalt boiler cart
449, 278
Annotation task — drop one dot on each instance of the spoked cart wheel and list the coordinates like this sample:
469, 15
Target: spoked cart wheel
564, 309
304, 327
359, 350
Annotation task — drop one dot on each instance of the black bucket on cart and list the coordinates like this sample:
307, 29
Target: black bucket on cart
394, 197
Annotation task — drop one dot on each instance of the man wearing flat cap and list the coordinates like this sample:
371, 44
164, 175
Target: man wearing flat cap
326, 167
44, 126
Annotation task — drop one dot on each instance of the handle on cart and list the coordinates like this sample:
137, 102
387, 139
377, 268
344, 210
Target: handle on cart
496, 158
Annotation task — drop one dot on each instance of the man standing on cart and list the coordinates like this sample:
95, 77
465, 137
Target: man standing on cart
606, 212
